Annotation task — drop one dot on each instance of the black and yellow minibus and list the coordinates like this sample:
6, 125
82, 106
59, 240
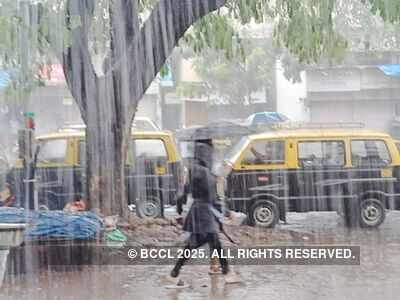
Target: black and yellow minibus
153, 171
351, 171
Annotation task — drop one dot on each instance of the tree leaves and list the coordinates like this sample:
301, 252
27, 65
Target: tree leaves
389, 10
306, 29
214, 31
234, 80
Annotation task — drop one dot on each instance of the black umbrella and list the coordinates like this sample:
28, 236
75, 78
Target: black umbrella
216, 130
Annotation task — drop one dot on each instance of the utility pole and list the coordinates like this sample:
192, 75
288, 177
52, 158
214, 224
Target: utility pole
27, 132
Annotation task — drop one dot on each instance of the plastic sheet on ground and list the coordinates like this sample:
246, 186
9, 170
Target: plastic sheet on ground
54, 224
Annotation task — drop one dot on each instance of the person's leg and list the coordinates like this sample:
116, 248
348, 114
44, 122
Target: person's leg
214, 266
195, 241
229, 275
215, 244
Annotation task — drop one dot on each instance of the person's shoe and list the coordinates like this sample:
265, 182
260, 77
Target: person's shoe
175, 283
225, 269
174, 273
214, 267
214, 270
232, 277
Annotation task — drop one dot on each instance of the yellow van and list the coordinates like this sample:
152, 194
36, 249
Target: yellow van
353, 171
153, 171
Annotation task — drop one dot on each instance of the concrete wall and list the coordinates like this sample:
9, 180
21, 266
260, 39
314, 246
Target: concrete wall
353, 94
54, 107
290, 96
375, 115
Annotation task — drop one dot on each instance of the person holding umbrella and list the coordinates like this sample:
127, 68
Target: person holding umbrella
201, 220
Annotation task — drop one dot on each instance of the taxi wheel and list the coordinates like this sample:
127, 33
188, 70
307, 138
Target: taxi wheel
149, 208
264, 213
372, 213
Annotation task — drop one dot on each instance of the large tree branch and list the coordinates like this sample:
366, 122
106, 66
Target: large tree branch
77, 64
125, 27
161, 32
124, 21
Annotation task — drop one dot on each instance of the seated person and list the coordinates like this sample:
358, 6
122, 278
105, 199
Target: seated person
271, 155
7, 199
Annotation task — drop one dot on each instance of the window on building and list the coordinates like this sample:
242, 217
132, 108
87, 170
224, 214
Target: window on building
52, 151
265, 152
369, 152
321, 153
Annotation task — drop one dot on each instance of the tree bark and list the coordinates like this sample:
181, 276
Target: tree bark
106, 145
108, 103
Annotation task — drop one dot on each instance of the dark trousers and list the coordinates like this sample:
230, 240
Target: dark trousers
197, 240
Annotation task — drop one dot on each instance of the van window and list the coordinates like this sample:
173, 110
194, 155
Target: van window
321, 153
265, 152
52, 151
235, 151
144, 148
148, 148
369, 152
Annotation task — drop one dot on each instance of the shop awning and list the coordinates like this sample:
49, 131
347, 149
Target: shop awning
4, 79
390, 70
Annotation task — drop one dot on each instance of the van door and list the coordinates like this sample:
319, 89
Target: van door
55, 173
148, 175
372, 163
316, 183
262, 173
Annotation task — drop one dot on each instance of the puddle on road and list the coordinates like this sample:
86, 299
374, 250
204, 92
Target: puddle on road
376, 278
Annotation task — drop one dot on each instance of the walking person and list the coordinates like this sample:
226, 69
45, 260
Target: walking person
201, 221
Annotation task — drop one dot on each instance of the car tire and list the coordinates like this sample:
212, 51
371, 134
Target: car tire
263, 213
150, 208
372, 213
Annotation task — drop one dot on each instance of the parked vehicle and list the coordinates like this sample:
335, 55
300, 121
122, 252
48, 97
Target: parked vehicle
356, 172
153, 171
265, 119
223, 133
139, 124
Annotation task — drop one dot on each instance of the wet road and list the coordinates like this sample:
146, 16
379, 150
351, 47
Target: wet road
377, 277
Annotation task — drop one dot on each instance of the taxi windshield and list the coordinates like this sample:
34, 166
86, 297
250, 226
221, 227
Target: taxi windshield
235, 151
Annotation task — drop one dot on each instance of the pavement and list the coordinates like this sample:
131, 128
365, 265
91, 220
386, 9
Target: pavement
377, 277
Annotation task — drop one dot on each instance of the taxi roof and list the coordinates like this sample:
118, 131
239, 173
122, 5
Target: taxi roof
319, 133
81, 133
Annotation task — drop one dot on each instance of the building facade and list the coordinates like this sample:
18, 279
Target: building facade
363, 90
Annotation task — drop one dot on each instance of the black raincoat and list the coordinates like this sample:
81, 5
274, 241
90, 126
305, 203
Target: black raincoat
201, 217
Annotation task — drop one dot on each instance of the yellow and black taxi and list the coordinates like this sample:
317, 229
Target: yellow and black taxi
153, 171
355, 172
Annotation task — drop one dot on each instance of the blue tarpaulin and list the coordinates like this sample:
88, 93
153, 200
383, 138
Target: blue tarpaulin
390, 70
4, 79
54, 224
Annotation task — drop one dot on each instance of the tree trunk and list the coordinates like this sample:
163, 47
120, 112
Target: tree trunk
106, 144
108, 103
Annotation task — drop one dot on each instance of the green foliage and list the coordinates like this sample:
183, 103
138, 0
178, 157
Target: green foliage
247, 11
191, 90
23, 51
363, 28
389, 10
309, 29
217, 32
306, 29
236, 79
